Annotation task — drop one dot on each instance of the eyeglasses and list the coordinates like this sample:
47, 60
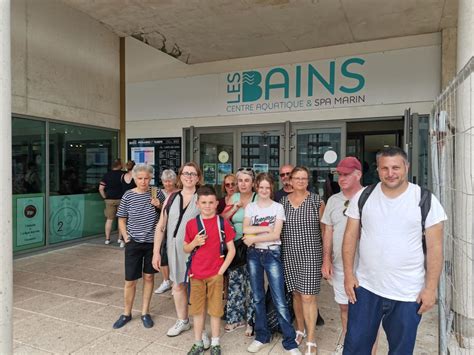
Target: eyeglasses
284, 174
346, 204
189, 174
229, 184
299, 178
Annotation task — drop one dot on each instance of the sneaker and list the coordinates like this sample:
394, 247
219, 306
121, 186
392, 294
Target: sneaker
295, 351
339, 349
196, 350
123, 319
165, 286
179, 327
107, 242
215, 350
256, 346
122, 244
147, 321
206, 341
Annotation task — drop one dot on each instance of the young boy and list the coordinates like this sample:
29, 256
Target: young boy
203, 236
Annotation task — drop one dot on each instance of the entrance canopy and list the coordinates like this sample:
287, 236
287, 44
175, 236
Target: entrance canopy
212, 30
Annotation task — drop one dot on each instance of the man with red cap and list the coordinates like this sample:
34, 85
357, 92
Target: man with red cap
349, 171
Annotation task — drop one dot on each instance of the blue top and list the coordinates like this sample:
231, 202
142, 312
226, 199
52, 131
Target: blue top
238, 217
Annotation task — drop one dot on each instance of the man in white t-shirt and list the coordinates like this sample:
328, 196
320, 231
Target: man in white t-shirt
349, 172
390, 284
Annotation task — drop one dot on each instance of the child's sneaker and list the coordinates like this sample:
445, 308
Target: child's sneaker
196, 350
215, 350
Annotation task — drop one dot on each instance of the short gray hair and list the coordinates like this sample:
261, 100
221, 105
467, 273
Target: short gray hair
142, 167
168, 174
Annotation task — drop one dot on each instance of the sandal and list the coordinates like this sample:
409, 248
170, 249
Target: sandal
249, 331
229, 328
310, 345
300, 335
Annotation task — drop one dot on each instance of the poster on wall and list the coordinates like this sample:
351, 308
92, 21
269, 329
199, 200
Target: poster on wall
29, 220
260, 168
222, 171
209, 171
66, 221
162, 153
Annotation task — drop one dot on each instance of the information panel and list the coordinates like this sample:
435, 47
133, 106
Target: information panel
161, 153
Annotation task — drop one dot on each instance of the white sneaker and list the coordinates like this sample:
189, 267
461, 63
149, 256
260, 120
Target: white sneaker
122, 244
205, 340
165, 286
256, 346
339, 349
295, 351
107, 242
179, 327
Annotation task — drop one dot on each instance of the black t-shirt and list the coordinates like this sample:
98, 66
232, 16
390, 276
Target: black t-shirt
279, 194
113, 184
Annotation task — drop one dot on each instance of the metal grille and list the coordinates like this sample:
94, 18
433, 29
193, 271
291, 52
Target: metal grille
452, 147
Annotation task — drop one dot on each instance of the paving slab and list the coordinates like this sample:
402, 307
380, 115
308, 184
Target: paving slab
67, 300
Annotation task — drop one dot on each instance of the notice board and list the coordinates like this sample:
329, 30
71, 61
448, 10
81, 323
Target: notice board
161, 153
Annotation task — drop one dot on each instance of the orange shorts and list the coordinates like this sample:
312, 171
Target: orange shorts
209, 290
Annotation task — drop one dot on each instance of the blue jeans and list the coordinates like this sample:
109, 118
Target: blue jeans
269, 261
399, 320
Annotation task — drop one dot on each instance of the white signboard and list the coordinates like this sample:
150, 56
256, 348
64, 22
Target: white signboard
398, 76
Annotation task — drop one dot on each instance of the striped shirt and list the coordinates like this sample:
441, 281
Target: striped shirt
141, 216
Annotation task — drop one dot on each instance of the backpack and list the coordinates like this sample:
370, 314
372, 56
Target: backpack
425, 205
202, 229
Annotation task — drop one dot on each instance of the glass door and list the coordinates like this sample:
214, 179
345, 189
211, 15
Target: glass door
319, 148
261, 151
214, 153
416, 144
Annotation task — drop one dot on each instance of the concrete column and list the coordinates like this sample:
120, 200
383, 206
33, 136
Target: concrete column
6, 252
463, 300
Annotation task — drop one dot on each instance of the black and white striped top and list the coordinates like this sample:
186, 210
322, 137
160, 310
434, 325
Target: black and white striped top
141, 216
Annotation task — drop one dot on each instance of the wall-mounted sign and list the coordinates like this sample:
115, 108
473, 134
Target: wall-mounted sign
29, 220
223, 157
379, 78
162, 153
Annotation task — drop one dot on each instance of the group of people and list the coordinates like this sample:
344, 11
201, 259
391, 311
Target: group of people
211, 247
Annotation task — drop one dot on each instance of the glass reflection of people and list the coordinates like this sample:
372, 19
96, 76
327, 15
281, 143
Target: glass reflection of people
32, 181
70, 182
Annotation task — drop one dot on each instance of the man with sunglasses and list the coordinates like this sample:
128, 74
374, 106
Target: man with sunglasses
284, 173
349, 171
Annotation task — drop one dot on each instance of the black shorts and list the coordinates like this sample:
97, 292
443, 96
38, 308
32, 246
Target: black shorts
164, 253
138, 257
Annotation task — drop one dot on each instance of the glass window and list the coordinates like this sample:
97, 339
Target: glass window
78, 159
28, 183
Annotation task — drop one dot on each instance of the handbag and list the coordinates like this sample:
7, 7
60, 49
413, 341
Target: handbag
240, 258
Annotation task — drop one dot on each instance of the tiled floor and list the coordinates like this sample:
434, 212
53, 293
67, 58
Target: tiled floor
65, 302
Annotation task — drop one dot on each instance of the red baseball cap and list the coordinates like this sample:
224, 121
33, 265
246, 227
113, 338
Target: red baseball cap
348, 165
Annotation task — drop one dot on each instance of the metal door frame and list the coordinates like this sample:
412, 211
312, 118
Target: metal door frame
294, 127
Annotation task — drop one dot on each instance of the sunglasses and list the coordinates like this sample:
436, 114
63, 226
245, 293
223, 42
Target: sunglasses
229, 184
249, 171
284, 174
346, 204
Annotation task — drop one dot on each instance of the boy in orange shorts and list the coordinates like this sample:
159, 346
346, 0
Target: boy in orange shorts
207, 237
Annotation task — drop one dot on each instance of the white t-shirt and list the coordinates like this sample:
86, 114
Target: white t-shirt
266, 216
391, 259
334, 216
